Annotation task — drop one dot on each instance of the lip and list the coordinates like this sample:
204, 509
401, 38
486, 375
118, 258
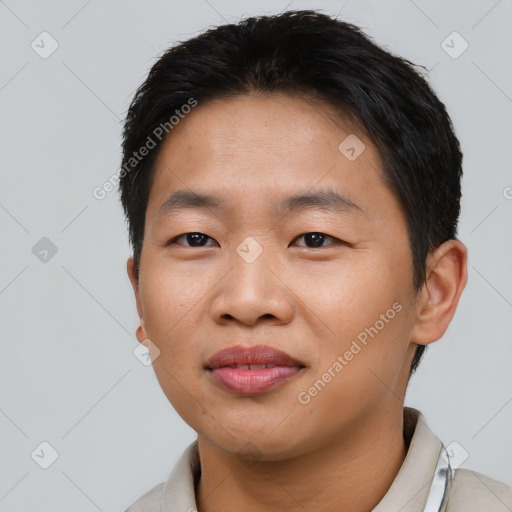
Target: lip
232, 368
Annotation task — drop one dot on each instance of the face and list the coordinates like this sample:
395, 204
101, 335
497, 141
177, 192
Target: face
328, 283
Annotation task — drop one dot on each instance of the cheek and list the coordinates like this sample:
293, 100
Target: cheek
357, 373
366, 310
351, 296
168, 297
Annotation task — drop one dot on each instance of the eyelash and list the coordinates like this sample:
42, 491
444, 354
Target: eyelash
173, 240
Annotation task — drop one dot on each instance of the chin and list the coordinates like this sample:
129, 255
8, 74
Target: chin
251, 444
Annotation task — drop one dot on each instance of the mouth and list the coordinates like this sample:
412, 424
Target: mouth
252, 370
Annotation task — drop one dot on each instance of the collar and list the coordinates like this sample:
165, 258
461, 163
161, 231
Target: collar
408, 492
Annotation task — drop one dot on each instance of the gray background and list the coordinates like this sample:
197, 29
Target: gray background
68, 373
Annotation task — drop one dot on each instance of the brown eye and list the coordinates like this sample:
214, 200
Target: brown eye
315, 239
192, 239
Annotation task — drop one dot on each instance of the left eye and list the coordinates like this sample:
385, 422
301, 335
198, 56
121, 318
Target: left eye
192, 238
315, 239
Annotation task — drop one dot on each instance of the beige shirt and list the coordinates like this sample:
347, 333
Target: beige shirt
469, 490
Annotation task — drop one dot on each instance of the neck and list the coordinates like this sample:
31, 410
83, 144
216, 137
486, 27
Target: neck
350, 474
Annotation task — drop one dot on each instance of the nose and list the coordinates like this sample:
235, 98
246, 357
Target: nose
252, 292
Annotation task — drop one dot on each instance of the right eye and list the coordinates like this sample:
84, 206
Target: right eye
195, 239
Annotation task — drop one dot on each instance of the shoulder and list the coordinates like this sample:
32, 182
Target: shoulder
149, 502
177, 493
473, 491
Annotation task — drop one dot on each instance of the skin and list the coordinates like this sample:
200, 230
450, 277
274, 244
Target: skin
343, 449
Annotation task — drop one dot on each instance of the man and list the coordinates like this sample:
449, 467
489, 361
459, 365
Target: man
292, 192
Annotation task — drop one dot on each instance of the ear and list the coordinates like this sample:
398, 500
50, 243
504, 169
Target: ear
130, 267
438, 298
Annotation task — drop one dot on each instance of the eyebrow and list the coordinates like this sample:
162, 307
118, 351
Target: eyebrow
327, 199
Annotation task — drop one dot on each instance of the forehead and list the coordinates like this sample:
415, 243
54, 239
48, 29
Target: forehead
265, 150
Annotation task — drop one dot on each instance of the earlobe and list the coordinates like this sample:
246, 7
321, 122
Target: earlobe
140, 333
130, 267
438, 299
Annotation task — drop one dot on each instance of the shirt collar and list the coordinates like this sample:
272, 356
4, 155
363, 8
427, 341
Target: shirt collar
407, 493
409, 490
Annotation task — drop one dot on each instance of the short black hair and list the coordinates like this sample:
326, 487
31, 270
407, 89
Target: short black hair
314, 55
